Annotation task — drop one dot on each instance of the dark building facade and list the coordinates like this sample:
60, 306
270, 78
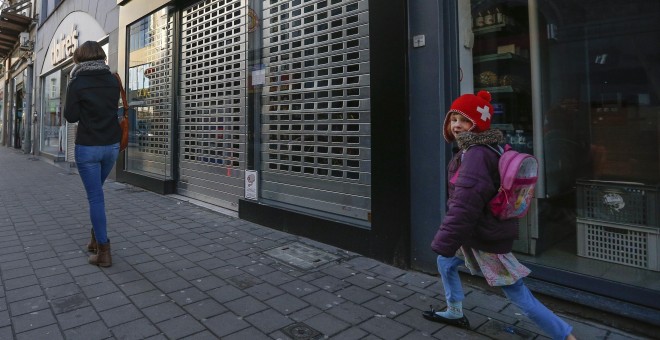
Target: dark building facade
323, 118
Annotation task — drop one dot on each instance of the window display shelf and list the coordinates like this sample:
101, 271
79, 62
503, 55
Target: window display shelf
500, 56
491, 29
498, 89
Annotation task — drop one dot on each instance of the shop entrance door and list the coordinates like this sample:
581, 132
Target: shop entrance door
212, 103
18, 120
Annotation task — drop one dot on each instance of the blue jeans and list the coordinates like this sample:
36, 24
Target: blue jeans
94, 165
517, 293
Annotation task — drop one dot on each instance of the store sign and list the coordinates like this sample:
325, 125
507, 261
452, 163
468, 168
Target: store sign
64, 47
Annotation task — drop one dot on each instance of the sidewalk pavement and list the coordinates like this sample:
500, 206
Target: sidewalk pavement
181, 271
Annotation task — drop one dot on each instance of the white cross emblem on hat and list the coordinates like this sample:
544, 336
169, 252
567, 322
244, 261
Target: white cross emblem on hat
485, 112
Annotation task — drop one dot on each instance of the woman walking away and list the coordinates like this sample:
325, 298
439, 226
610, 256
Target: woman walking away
91, 101
469, 233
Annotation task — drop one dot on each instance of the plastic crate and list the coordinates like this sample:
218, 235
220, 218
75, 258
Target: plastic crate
624, 244
618, 202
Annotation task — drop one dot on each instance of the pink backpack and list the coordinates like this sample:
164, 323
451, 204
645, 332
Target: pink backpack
518, 176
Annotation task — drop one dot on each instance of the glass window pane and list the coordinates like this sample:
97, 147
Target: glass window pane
149, 92
52, 121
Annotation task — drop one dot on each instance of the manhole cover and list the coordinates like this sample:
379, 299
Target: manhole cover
301, 331
301, 256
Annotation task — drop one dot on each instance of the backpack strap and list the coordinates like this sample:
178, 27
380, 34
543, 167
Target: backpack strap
499, 150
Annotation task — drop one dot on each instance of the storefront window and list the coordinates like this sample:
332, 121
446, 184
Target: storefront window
2, 116
52, 122
586, 75
148, 88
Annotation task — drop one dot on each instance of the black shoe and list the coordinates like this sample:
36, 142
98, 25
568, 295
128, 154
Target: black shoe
462, 322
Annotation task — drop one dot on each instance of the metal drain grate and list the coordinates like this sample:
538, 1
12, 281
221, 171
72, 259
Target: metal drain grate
301, 256
300, 331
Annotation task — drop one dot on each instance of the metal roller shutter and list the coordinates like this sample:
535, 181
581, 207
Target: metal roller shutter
212, 102
316, 145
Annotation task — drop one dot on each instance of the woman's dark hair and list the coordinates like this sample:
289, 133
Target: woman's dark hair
89, 50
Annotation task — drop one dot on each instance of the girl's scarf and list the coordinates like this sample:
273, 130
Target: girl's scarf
468, 138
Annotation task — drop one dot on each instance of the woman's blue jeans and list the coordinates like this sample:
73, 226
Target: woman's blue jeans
94, 165
517, 293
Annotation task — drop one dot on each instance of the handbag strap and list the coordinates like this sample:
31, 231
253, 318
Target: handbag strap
123, 94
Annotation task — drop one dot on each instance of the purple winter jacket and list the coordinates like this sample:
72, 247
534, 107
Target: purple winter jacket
468, 221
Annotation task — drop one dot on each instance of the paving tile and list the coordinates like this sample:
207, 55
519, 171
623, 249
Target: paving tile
20, 282
268, 320
352, 333
385, 328
225, 324
160, 275
109, 301
330, 283
339, 271
387, 307
99, 289
69, 303
193, 273
356, 294
245, 306
23, 293
126, 276
277, 278
77, 317
28, 305
205, 309
50, 332
188, 295
327, 324
62, 291
208, 283
21, 271
173, 284
136, 287
299, 288
180, 327
135, 330
286, 304
364, 281
323, 300
264, 291
33, 320
248, 333
351, 313
163, 311
119, 315
226, 293
392, 291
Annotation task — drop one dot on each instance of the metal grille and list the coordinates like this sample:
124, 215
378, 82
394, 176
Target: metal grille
213, 100
150, 96
316, 106
71, 129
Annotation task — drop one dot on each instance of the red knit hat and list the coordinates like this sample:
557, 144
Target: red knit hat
475, 108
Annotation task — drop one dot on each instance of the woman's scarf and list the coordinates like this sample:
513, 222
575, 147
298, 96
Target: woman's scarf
92, 65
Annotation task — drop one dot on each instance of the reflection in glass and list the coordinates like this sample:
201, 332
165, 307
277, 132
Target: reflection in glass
148, 90
52, 121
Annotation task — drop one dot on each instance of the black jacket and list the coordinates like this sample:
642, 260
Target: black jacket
92, 100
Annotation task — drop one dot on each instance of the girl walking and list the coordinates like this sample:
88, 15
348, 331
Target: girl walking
469, 233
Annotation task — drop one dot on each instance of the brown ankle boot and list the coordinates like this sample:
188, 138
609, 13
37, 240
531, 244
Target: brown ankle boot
91, 246
102, 257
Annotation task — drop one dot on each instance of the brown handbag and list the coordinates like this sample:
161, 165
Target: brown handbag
124, 121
